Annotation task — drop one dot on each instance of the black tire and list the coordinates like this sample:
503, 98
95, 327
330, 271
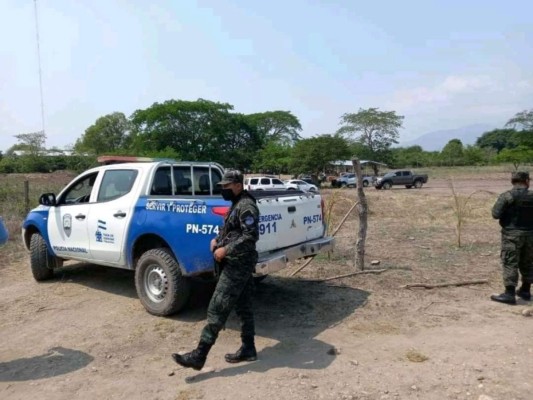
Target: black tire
408, 186
41, 261
386, 185
343, 185
418, 184
365, 183
161, 287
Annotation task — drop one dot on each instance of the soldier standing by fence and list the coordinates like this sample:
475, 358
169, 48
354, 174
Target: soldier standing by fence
514, 209
236, 256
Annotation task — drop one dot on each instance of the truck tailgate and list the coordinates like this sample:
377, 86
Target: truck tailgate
288, 220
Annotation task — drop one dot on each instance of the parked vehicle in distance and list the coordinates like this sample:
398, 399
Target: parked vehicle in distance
263, 183
402, 177
350, 180
297, 184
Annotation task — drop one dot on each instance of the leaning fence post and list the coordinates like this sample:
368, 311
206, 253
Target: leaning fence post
27, 196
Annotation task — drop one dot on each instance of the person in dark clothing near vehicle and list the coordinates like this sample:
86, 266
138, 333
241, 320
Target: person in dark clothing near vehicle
514, 209
234, 250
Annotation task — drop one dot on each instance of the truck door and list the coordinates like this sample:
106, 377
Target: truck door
68, 220
111, 214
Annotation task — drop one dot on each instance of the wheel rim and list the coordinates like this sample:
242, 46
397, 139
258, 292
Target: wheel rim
155, 283
386, 185
418, 185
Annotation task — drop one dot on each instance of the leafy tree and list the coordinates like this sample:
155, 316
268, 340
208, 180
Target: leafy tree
273, 158
375, 129
413, 156
313, 155
109, 134
32, 143
498, 139
452, 153
517, 156
197, 130
523, 119
475, 155
278, 126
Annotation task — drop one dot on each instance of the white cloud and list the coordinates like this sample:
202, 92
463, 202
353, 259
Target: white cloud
441, 93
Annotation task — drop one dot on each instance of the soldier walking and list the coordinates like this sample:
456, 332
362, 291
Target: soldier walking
236, 256
514, 209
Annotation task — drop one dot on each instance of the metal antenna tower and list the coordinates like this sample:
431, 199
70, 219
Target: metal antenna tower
39, 62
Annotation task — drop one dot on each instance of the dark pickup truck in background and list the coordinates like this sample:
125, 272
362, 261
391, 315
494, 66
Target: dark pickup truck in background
403, 177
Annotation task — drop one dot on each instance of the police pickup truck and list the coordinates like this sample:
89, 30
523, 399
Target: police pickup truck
157, 218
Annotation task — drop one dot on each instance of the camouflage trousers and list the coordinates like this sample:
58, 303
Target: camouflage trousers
517, 255
233, 292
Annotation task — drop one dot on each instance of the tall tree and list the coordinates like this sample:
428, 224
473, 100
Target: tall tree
109, 134
33, 143
273, 158
452, 153
377, 130
313, 155
200, 130
278, 126
498, 139
523, 119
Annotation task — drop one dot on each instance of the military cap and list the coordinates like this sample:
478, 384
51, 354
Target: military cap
520, 176
232, 176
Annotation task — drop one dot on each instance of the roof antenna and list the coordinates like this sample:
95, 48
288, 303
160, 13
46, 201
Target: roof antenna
39, 62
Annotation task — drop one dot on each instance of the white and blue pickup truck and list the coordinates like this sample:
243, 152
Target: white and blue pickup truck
158, 218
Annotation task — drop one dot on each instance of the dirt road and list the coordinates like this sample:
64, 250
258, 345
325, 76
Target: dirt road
84, 335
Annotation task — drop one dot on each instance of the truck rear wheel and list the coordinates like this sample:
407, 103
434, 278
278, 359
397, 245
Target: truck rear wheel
41, 261
161, 287
418, 184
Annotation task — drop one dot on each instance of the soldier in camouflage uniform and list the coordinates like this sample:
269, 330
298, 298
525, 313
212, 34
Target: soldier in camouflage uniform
514, 209
235, 254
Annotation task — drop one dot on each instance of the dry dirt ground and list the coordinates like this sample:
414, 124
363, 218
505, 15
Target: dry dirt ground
84, 334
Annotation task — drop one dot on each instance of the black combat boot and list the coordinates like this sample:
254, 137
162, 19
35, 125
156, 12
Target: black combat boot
524, 292
246, 352
195, 359
508, 297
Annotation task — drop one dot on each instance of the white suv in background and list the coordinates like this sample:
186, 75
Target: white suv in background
263, 183
297, 184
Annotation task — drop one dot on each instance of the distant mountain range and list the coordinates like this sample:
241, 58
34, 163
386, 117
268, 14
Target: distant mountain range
436, 140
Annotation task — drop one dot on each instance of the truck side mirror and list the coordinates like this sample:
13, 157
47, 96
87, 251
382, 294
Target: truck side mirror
47, 199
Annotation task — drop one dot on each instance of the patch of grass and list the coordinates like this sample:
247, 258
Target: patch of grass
416, 356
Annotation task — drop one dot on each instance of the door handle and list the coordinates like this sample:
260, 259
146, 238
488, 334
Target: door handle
80, 216
119, 214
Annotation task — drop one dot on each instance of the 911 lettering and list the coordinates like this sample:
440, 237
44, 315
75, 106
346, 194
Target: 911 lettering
203, 229
312, 219
269, 227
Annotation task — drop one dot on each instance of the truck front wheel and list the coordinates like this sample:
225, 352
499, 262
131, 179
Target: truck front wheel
387, 185
418, 184
41, 261
161, 287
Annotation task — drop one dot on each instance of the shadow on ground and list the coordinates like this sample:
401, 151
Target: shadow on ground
112, 280
293, 312
57, 361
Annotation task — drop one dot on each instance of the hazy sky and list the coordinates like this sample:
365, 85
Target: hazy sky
442, 64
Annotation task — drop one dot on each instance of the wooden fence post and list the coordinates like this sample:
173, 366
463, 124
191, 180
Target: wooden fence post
27, 196
362, 211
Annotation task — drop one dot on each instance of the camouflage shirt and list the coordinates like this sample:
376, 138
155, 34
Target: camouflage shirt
514, 210
241, 226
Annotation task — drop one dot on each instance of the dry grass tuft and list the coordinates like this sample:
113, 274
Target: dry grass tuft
415, 356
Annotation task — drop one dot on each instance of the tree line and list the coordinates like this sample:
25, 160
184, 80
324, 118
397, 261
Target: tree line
270, 141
